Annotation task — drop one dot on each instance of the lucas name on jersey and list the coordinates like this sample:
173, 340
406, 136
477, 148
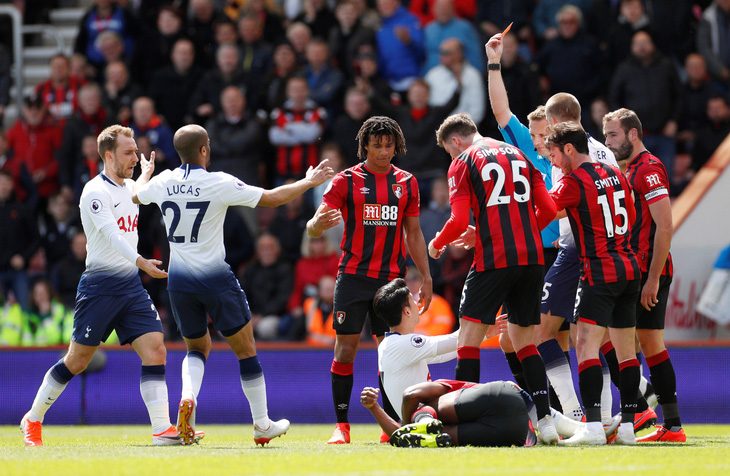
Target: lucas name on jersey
183, 190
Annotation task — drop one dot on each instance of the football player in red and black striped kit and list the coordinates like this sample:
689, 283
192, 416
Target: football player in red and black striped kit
379, 204
651, 237
510, 203
598, 200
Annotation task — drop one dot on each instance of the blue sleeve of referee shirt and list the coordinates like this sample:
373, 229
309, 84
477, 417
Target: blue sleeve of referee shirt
517, 134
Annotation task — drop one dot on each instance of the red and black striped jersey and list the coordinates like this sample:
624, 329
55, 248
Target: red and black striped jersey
597, 198
648, 177
499, 182
301, 149
61, 102
373, 208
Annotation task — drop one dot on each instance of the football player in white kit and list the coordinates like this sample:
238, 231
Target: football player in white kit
193, 202
110, 293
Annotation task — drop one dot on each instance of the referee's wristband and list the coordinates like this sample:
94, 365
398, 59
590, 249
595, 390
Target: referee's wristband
494, 66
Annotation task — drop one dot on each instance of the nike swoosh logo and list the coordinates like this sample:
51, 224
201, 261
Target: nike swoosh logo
116, 204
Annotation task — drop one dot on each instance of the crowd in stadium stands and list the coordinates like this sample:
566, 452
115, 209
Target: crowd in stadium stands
282, 84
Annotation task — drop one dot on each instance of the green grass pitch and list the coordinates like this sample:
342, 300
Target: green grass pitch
229, 450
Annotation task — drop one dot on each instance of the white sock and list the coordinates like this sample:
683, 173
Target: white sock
562, 381
154, 393
643, 383
606, 397
193, 368
47, 394
255, 391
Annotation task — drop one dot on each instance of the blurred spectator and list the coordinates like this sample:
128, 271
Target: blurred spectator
273, 24
106, 15
90, 166
439, 318
112, 49
520, 80
25, 190
91, 118
697, 90
49, 322
273, 90
205, 101
255, 52
594, 126
318, 260
428, 10
59, 92
325, 81
318, 314
79, 66
369, 80
236, 137
290, 224
157, 43
675, 26
367, 15
418, 120
57, 227
572, 61
295, 131
683, 171
493, 16
20, 239
546, 16
713, 39
173, 85
455, 72
714, 133
12, 322
119, 92
648, 84
35, 139
317, 16
456, 266
433, 218
346, 126
348, 37
448, 26
299, 35
632, 18
401, 45
268, 283
237, 239
202, 16
600, 18
225, 31
146, 122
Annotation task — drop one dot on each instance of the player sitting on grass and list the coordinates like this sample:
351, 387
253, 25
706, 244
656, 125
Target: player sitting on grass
403, 359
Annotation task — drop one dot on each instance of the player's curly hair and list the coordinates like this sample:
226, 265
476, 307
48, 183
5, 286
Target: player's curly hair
380, 126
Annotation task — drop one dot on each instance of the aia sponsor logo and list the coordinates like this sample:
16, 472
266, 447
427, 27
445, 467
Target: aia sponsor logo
129, 224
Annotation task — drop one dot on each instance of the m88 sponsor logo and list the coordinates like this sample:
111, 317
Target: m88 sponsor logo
380, 215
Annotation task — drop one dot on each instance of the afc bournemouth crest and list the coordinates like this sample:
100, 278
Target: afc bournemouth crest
398, 190
340, 317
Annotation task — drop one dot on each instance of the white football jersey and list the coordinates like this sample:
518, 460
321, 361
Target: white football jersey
193, 203
599, 153
403, 361
105, 205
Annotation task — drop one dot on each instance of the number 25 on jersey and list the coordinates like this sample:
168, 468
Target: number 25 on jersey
497, 197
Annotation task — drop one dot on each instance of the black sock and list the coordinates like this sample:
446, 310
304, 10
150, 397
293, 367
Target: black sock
665, 385
387, 406
515, 367
341, 389
630, 375
567, 356
467, 364
590, 381
536, 378
610, 354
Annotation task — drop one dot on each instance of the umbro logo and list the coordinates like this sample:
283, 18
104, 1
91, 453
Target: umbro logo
364, 190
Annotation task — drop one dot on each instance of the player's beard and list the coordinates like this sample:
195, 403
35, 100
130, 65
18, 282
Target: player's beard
623, 152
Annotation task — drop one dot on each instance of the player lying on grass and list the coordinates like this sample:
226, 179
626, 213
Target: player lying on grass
403, 356
457, 413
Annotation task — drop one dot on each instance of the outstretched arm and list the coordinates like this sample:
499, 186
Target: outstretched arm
497, 91
148, 166
285, 193
369, 399
417, 249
